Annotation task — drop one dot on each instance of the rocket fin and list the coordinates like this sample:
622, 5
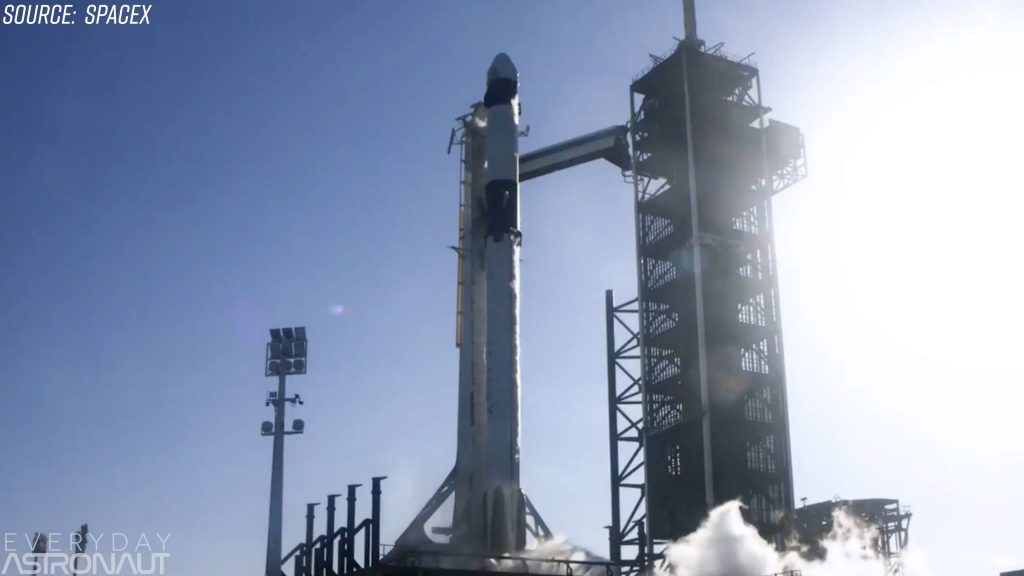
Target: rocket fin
415, 535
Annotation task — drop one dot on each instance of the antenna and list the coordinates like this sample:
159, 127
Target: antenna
690, 21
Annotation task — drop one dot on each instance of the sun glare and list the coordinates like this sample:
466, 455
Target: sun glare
929, 211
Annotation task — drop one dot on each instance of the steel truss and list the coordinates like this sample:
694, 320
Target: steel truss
627, 537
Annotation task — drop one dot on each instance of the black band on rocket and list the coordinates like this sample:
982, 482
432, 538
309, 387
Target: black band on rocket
500, 91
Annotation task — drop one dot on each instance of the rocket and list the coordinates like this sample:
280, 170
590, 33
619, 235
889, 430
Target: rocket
501, 261
489, 515
490, 509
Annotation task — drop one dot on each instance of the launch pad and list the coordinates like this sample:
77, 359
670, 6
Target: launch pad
697, 402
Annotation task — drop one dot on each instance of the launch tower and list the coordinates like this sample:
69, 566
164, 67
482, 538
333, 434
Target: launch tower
697, 385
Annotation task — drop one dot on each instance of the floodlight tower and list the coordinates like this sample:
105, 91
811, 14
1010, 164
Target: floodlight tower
286, 354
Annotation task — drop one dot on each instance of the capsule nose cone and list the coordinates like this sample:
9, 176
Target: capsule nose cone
502, 67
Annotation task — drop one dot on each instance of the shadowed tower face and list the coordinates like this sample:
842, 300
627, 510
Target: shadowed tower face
706, 165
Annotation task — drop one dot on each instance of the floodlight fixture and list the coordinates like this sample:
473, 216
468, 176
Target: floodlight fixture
299, 425
267, 428
287, 351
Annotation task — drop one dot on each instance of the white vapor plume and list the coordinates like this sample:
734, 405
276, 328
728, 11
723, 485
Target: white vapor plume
725, 545
551, 557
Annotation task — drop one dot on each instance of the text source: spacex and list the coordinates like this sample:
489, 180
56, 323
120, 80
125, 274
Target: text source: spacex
73, 14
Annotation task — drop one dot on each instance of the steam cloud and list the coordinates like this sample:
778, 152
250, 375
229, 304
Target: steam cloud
538, 560
725, 545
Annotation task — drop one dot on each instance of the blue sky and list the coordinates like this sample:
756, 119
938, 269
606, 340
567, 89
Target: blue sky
171, 191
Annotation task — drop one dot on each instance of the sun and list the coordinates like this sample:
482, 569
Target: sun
929, 206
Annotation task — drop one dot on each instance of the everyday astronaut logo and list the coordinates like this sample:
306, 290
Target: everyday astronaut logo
107, 554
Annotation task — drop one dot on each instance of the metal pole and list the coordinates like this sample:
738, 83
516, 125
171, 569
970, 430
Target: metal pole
307, 553
80, 545
702, 349
689, 21
615, 530
366, 546
40, 545
318, 562
329, 544
350, 531
276, 484
644, 545
375, 519
341, 551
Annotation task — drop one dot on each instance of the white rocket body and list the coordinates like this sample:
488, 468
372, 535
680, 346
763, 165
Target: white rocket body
501, 260
489, 508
